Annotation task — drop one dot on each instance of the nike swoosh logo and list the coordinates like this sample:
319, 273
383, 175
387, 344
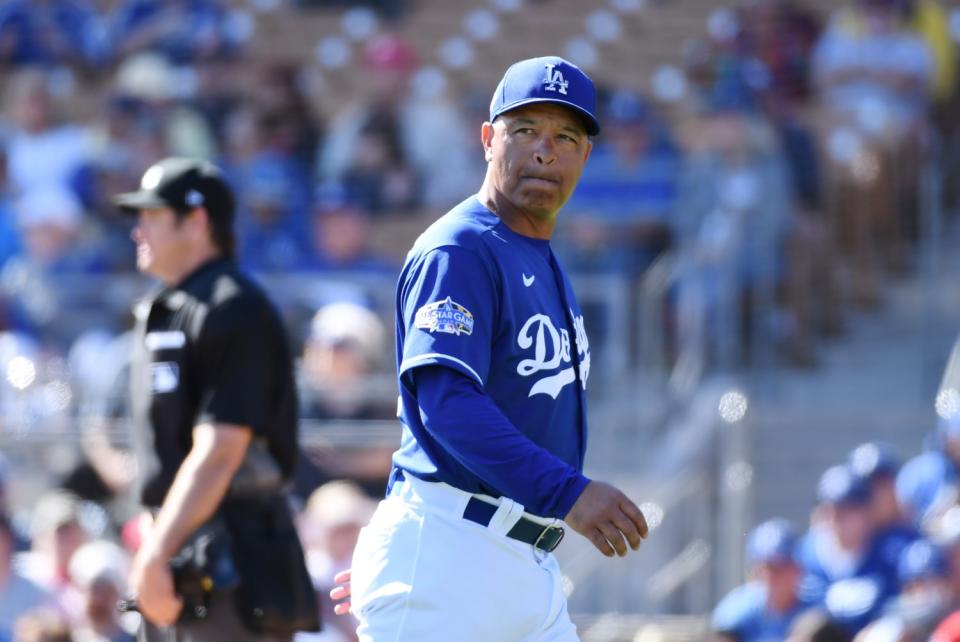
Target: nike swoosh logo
528, 280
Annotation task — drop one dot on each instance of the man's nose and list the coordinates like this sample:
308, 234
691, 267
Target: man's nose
545, 152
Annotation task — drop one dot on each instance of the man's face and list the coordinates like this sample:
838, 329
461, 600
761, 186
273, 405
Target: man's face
536, 155
852, 525
161, 241
781, 578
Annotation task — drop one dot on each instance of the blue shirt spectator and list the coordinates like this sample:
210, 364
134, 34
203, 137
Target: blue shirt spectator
928, 482
877, 465
841, 556
617, 217
341, 241
272, 218
763, 610
160, 26
49, 33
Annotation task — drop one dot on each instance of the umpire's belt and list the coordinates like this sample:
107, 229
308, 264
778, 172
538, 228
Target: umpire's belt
546, 538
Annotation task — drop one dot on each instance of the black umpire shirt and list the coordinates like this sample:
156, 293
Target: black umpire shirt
211, 349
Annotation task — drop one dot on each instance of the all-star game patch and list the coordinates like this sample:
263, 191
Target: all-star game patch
445, 316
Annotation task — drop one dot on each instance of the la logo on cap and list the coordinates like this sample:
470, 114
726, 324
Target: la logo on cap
151, 178
554, 80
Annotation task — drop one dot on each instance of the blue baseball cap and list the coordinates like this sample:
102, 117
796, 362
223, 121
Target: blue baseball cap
549, 79
772, 542
839, 486
921, 560
872, 460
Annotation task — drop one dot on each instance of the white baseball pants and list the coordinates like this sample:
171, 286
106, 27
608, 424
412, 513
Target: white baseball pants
423, 573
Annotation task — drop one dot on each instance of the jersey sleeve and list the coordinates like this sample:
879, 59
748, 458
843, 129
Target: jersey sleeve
236, 365
447, 306
468, 424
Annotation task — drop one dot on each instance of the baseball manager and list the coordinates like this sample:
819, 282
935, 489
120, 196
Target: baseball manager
493, 361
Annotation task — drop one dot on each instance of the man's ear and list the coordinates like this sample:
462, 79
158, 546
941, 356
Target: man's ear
486, 137
198, 219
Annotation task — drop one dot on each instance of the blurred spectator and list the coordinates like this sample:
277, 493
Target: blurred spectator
764, 608
397, 121
18, 595
869, 67
844, 570
925, 599
158, 93
735, 220
876, 465
340, 365
341, 240
874, 78
56, 535
331, 522
51, 224
780, 34
42, 152
99, 571
776, 42
618, 217
50, 32
273, 209
379, 177
42, 625
56, 242
158, 26
219, 92
296, 128
927, 484
273, 192
340, 380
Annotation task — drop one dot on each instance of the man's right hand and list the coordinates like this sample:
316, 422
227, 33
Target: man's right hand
606, 516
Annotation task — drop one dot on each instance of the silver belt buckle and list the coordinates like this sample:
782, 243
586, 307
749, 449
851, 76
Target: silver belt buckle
549, 538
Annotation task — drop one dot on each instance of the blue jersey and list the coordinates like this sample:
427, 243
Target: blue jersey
745, 614
853, 591
923, 480
496, 307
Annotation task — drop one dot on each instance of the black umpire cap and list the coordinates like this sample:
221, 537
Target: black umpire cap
182, 184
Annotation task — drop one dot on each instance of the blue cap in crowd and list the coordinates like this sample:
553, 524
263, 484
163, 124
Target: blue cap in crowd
872, 459
921, 560
839, 485
772, 542
549, 79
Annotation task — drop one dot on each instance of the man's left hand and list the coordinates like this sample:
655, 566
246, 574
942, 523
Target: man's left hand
152, 583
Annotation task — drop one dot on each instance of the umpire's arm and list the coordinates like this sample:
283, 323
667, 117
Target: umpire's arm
197, 490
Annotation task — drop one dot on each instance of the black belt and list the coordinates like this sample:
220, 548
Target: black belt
546, 538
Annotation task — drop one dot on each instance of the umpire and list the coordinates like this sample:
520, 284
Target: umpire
214, 417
